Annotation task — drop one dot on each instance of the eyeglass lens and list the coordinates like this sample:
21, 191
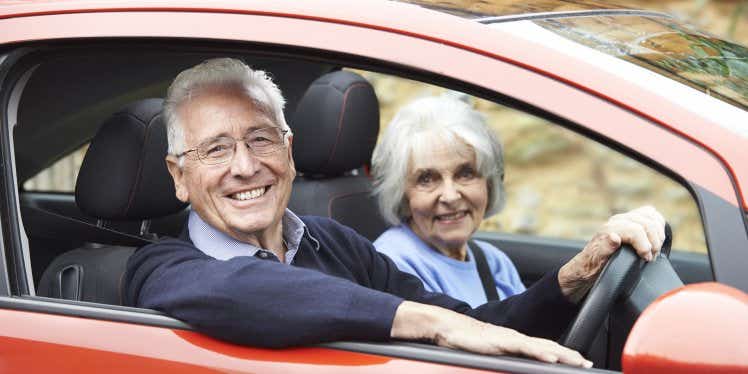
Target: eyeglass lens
261, 142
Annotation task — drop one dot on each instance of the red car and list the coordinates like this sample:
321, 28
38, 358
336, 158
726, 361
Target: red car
628, 90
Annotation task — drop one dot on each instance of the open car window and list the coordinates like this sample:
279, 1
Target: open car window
58, 177
560, 184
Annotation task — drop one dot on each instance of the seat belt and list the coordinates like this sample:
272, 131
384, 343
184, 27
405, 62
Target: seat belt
53, 225
484, 272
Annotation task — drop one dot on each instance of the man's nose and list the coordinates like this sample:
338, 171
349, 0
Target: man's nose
244, 163
450, 192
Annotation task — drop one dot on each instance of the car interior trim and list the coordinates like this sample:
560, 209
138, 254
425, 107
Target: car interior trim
4, 282
16, 280
722, 229
12, 109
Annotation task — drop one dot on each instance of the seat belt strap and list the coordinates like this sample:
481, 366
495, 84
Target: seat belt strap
484, 272
53, 225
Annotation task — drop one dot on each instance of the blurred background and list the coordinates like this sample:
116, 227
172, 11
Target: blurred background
727, 19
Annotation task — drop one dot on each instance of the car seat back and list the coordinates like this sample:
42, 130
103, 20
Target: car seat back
335, 126
123, 177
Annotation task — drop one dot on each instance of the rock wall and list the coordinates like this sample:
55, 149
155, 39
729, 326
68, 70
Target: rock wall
727, 19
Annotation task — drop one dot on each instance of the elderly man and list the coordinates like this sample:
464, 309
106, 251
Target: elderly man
248, 270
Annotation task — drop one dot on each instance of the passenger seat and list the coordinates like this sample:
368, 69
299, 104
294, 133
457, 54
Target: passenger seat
335, 128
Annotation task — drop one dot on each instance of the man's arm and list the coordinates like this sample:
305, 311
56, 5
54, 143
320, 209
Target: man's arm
546, 308
446, 328
527, 312
267, 304
255, 302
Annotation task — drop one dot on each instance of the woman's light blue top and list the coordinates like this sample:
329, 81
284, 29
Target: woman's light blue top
440, 273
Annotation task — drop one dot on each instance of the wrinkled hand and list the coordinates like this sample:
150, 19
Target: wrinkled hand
414, 321
643, 228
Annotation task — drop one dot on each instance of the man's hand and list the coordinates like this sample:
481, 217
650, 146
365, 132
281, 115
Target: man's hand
643, 228
414, 321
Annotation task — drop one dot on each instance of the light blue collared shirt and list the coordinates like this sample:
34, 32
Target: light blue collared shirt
221, 246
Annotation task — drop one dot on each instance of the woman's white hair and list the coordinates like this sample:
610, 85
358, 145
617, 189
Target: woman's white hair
413, 130
219, 73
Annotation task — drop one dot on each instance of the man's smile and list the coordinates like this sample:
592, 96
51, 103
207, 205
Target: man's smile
249, 194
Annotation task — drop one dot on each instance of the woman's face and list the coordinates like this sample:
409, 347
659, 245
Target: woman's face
446, 195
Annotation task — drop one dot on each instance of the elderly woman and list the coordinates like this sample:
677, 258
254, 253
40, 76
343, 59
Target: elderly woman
438, 172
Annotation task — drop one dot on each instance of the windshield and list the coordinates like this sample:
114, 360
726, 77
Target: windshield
489, 8
716, 67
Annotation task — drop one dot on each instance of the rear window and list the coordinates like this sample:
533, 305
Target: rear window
716, 67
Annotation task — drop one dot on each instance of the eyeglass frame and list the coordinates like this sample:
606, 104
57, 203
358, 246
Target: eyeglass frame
284, 133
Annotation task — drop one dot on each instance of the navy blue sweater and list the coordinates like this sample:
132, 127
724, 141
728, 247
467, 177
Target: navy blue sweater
342, 290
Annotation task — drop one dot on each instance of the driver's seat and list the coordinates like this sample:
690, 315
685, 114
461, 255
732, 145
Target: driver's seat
123, 179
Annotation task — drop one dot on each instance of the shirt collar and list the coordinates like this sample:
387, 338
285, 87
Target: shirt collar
221, 246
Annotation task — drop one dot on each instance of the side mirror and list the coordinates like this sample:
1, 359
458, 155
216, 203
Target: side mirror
698, 328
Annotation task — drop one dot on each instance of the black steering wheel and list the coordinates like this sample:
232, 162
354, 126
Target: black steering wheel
620, 275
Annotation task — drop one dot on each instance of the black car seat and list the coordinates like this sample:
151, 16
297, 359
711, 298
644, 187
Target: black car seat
335, 128
123, 178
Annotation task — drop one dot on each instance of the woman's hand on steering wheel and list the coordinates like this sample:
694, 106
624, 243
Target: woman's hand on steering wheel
643, 228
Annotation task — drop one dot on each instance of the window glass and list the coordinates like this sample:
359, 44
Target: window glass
560, 184
716, 67
60, 176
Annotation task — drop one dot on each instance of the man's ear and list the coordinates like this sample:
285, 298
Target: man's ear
177, 174
290, 157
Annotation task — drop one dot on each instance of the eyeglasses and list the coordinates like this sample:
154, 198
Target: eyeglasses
261, 142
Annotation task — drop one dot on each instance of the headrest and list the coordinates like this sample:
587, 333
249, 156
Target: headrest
335, 125
124, 175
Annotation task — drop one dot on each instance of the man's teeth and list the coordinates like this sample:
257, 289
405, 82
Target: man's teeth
248, 195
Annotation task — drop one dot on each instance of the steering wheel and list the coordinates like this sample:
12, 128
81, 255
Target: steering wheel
620, 275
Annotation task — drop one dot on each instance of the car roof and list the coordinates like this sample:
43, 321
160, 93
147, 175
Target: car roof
473, 10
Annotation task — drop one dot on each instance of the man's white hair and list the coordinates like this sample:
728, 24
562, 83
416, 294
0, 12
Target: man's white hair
412, 131
220, 73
